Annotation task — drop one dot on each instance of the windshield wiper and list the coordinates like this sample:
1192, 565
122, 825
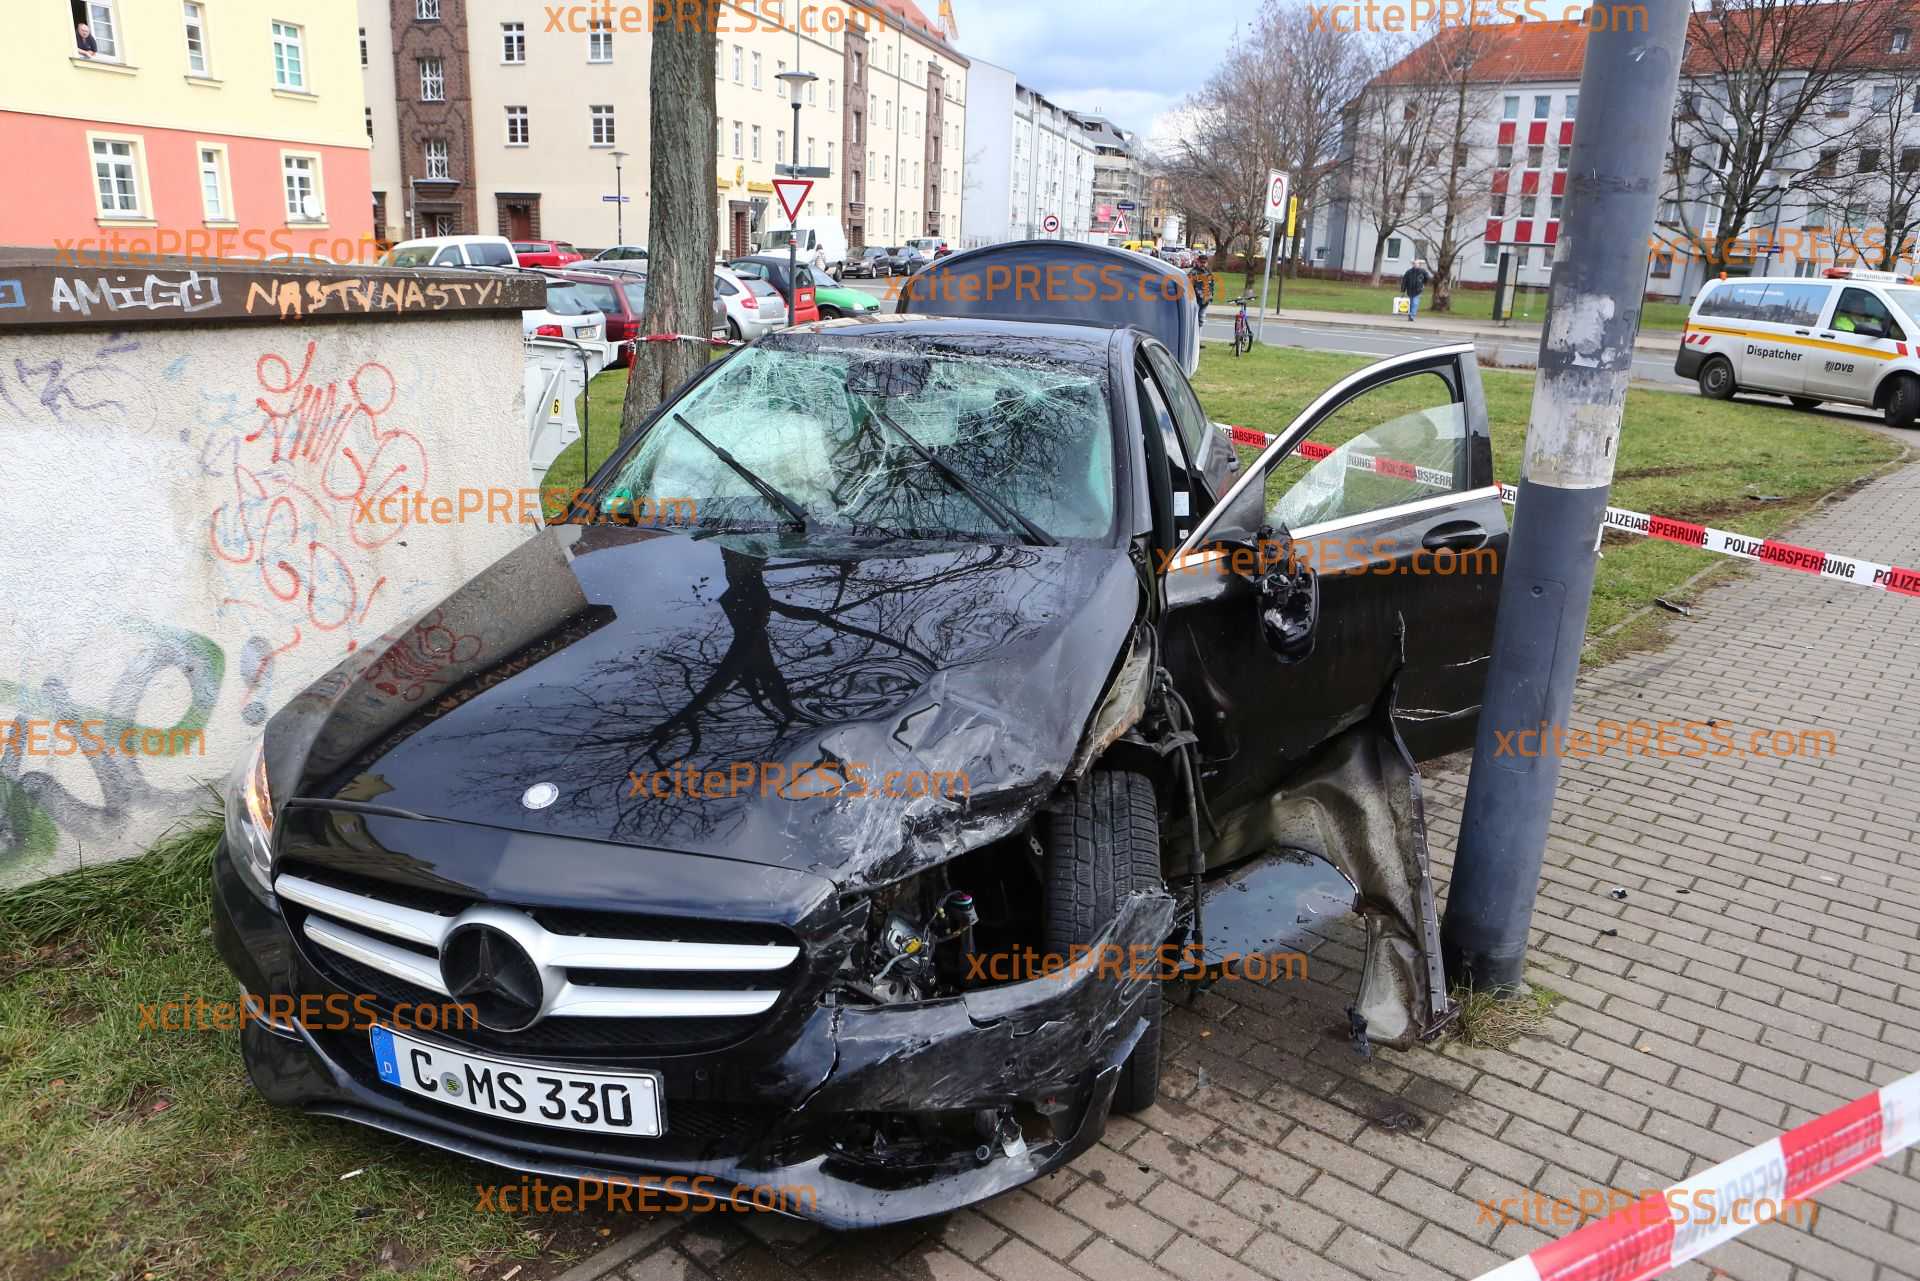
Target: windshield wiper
984, 501
767, 491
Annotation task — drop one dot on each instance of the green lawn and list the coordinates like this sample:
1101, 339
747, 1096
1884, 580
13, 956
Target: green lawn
1530, 305
145, 1154
1680, 455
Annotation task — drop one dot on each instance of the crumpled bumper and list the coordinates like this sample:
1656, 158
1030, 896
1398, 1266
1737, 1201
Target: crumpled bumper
1051, 1046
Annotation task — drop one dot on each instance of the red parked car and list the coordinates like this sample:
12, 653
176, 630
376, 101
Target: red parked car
545, 253
620, 297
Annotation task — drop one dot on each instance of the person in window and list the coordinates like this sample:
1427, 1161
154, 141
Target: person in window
1843, 322
1412, 281
83, 37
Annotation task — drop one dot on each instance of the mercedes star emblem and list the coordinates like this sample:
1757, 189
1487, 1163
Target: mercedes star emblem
485, 968
539, 796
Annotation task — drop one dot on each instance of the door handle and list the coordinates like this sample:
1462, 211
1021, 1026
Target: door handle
1802, 332
1457, 535
1825, 334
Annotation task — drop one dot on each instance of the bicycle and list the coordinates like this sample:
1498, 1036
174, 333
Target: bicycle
1242, 331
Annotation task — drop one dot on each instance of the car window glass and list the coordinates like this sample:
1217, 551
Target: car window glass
1036, 435
1397, 442
1866, 314
416, 256
724, 288
490, 253
1188, 418
804, 277
753, 270
448, 257
1794, 304
596, 297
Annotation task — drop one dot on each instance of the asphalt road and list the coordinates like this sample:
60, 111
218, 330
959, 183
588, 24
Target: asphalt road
1656, 371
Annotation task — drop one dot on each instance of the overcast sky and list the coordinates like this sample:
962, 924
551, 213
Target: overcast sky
1130, 60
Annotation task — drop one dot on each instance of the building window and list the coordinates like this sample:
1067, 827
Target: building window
737, 129
213, 184
810, 88
303, 188
116, 169
433, 80
779, 85
809, 153
363, 48
739, 58
1882, 97
438, 167
602, 117
1393, 247
1829, 163
427, 10
1573, 105
513, 42
1542, 105
1839, 100
780, 145
756, 142
829, 95
289, 57
196, 22
1869, 159
1901, 37
1510, 107
1490, 254
1535, 154
1910, 159
1662, 266
1529, 206
369, 111
100, 19
1497, 205
519, 132
1503, 156
599, 41
756, 71
1554, 205
829, 153
860, 128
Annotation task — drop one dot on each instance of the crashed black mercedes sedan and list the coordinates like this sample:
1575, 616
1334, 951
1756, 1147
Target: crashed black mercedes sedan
955, 654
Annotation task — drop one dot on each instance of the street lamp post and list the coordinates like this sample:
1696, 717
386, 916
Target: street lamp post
795, 80
619, 202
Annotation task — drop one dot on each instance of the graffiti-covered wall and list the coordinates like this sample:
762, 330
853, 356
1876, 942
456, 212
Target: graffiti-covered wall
192, 527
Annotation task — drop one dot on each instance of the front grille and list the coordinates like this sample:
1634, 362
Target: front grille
608, 983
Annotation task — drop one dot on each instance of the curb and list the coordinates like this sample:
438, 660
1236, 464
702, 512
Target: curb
1531, 333
595, 1266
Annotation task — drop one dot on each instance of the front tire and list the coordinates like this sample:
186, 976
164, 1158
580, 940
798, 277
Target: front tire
1103, 843
1716, 378
831, 313
1903, 401
733, 329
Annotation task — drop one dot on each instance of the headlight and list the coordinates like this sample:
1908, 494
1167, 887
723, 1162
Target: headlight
250, 820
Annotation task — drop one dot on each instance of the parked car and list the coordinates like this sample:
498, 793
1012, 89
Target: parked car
772, 268
545, 253
837, 302
620, 297
1852, 337
872, 262
749, 314
570, 313
451, 251
981, 589
932, 246
911, 259
622, 253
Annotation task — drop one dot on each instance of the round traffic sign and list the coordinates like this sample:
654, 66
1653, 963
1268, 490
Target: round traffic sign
1050, 224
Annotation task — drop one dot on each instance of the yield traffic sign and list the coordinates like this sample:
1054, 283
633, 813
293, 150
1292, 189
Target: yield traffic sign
793, 194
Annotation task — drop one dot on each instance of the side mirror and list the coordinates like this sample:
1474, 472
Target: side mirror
1289, 602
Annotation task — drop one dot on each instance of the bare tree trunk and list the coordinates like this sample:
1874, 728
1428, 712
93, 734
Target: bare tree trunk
680, 224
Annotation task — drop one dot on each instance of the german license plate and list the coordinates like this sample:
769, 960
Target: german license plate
606, 1103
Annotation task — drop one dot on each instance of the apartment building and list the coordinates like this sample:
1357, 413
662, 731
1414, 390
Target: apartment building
1032, 160
485, 121
208, 126
755, 123
1119, 178
905, 128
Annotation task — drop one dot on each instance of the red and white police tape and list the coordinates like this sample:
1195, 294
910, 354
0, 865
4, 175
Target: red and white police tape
1664, 1230
1767, 551
712, 342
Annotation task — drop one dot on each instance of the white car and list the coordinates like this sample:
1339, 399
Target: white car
569, 315
751, 311
452, 251
622, 253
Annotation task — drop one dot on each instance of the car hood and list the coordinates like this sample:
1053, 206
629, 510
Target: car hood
614, 663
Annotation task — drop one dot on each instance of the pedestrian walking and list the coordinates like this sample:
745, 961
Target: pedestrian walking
1411, 283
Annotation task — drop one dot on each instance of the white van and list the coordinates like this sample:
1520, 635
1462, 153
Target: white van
1852, 337
821, 233
452, 251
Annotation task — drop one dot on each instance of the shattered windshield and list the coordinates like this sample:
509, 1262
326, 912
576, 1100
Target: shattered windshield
887, 440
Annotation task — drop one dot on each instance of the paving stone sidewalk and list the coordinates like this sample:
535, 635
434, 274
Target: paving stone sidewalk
1763, 968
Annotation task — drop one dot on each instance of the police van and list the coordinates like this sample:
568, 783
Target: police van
1852, 337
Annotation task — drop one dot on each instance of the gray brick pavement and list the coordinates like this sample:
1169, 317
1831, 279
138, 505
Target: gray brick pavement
1765, 966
